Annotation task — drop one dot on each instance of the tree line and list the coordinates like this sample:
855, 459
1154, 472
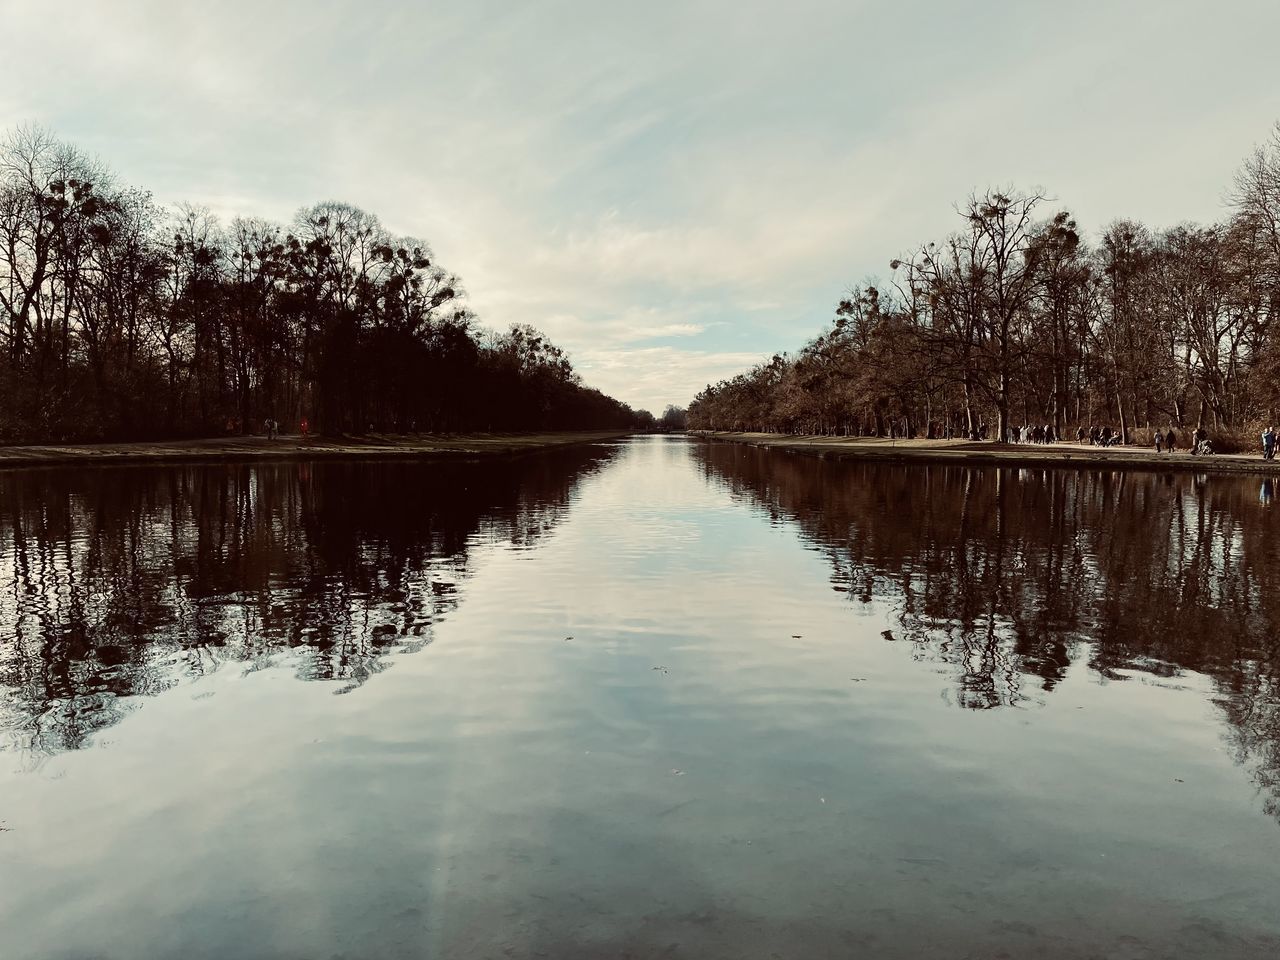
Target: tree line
120, 319
1018, 318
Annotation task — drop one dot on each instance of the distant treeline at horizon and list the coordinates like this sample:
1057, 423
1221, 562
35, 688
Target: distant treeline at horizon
1017, 319
123, 320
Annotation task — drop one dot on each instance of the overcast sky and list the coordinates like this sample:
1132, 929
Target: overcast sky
670, 190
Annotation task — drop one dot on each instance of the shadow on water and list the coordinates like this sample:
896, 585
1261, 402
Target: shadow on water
120, 582
1008, 577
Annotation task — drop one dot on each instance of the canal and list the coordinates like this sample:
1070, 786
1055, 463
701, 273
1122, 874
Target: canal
648, 698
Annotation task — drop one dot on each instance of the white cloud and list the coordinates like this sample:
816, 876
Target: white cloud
659, 187
652, 377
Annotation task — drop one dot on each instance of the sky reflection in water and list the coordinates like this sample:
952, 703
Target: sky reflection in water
647, 699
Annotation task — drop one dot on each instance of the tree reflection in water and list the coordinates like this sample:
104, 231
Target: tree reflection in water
121, 582
1009, 576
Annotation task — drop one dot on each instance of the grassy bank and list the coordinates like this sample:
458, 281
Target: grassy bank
297, 447
985, 452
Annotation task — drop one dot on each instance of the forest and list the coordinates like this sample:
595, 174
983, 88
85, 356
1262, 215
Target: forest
120, 319
1019, 318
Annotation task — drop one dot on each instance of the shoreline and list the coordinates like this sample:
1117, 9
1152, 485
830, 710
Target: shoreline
296, 447
988, 452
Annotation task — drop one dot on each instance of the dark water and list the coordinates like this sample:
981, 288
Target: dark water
651, 699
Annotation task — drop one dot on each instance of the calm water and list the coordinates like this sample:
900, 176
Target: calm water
650, 699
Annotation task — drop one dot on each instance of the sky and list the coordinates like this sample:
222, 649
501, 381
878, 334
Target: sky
671, 190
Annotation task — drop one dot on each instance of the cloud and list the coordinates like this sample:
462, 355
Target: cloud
659, 187
652, 377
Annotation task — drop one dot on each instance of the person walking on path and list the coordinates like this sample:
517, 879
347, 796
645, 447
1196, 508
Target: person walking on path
1170, 441
1268, 443
1159, 441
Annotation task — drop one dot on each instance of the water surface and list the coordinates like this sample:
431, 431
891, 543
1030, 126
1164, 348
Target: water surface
646, 699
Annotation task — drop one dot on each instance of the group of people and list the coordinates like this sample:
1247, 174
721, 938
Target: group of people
1097, 436
271, 427
946, 431
1197, 442
1036, 434
1165, 442
1201, 445
1102, 436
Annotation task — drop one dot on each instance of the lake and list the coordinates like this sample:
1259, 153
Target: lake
651, 698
